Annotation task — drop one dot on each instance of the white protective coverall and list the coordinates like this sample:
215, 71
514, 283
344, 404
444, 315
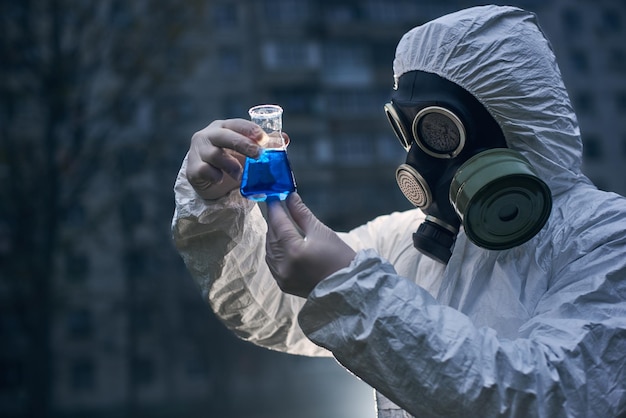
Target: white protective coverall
535, 331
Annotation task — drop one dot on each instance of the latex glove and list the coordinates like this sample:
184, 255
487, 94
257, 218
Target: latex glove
298, 263
217, 155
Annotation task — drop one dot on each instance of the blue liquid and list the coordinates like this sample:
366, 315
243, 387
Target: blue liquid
268, 176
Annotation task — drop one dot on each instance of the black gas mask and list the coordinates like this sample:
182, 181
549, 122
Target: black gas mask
459, 170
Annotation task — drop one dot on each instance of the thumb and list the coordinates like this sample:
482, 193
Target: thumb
279, 223
301, 214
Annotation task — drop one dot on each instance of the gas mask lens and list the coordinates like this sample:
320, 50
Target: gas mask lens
401, 132
439, 132
436, 130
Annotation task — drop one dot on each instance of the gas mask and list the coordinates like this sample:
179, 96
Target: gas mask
459, 170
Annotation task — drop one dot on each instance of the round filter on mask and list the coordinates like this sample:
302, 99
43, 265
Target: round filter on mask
413, 186
500, 199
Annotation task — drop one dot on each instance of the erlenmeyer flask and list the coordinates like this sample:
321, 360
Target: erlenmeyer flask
270, 174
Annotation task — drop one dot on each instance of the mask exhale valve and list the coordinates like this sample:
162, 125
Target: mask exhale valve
435, 239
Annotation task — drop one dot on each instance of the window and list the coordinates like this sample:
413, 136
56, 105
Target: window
119, 15
579, 61
297, 100
144, 317
233, 107
131, 160
286, 11
620, 101
291, 55
11, 375
196, 366
388, 149
75, 215
584, 103
355, 103
10, 325
229, 61
353, 149
131, 210
617, 61
335, 13
611, 21
6, 246
572, 21
225, 16
76, 267
135, 263
323, 151
346, 65
82, 375
144, 371
80, 324
391, 11
592, 148
300, 150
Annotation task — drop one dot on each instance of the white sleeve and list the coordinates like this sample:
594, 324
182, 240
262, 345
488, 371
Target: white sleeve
432, 361
222, 243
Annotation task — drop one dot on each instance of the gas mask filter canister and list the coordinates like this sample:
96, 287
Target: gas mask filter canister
458, 172
500, 200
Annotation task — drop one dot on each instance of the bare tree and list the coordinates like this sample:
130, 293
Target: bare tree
74, 78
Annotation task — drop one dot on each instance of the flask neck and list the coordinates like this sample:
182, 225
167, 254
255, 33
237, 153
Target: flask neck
273, 140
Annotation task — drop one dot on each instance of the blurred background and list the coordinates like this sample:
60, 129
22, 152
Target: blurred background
98, 101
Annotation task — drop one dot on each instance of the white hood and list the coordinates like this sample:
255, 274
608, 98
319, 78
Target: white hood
500, 56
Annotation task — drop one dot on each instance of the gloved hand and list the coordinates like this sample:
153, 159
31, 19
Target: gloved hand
300, 260
220, 149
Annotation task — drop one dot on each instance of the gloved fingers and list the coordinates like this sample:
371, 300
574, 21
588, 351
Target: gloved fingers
301, 214
298, 264
202, 175
286, 138
283, 241
279, 225
221, 161
240, 135
207, 179
220, 149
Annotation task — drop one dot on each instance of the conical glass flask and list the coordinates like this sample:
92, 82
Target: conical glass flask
268, 176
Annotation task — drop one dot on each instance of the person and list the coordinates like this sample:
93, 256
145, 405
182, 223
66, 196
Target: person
531, 323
